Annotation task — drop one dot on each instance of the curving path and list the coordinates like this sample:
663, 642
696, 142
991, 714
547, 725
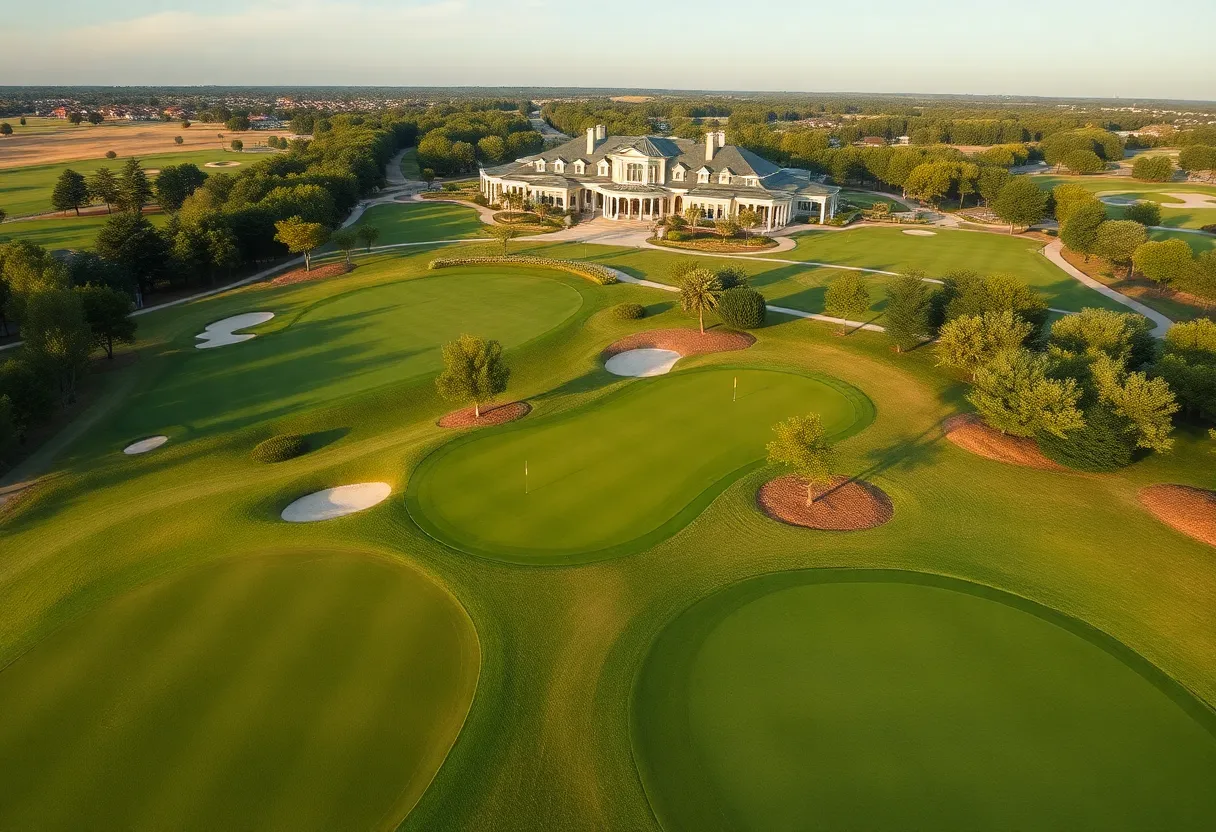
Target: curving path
1052, 253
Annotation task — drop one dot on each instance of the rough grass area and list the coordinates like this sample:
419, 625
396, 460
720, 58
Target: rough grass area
64, 232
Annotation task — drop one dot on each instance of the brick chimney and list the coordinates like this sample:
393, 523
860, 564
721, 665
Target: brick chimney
591, 140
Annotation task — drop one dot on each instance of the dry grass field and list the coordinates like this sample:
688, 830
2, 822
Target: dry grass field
137, 139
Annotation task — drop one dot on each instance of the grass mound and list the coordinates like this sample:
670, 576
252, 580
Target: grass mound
280, 448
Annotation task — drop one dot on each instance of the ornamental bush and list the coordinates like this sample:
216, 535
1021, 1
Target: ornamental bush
741, 308
629, 311
677, 236
280, 448
591, 271
1106, 443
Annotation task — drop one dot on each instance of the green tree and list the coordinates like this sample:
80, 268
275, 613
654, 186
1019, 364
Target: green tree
1165, 261
237, 145
57, 337
848, 297
1153, 168
726, 227
1080, 230
237, 123
108, 314
1148, 403
972, 341
175, 183
1067, 196
104, 187
1020, 202
700, 290
178, 140
301, 237
1198, 159
748, 220
1014, 395
991, 181
473, 370
134, 190
6, 129
1144, 212
95, 118
29, 391
1123, 336
368, 234
1118, 240
692, 215
345, 239
70, 192
428, 176
909, 310
8, 426
504, 234
1082, 161
803, 446
75, 119
493, 149
929, 182
130, 241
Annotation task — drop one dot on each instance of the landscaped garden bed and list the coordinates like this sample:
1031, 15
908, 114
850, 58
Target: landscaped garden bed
709, 241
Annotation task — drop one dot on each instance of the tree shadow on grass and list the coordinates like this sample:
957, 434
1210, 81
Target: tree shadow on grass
324, 438
908, 453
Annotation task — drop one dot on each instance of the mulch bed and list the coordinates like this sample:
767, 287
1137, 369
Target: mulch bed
1189, 510
318, 273
969, 433
684, 341
714, 244
490, 416
844, 506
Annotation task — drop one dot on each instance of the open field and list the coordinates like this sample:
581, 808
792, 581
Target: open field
418, 222
52, 140
27, 190
1125, 187
104, 573
64, 232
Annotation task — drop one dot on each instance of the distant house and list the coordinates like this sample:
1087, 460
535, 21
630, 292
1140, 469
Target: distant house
902, 140
60, 112
873, 141
265, 123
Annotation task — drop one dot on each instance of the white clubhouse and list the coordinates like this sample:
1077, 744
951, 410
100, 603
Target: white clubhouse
649, 177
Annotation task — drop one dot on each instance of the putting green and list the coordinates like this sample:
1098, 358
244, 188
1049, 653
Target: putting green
280, 692
350, 343
884, 700
620, 473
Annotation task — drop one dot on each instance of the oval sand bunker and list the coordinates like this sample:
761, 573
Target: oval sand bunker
336, 502
145, 445
222, 333
642, 363
918, 232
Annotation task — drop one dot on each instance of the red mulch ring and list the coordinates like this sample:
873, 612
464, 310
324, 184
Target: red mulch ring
1189, 510
684, 341
490, 416
844, 506
971, 434
319, 273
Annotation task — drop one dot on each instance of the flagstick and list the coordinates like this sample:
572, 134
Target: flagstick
525, 476
734, 393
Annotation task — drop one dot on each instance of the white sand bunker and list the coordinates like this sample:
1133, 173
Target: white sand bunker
920, 232
641, 363
1118, 200
222, 333
145, 445
221, 164
336, 502
1191, 200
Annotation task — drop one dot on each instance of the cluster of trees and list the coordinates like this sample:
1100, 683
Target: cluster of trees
452, 140
129, 190
1199, 159
1087, 150
1153, 168
65, 308
1085, 229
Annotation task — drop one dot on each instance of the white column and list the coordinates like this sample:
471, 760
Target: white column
823, 211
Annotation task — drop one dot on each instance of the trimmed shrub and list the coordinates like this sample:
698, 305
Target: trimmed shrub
629, 311
591, 271
280, 448
677, 236
1144, 212
731, 276
1106, 443
110, 154
741, 308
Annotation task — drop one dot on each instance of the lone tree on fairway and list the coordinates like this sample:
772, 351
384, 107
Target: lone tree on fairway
108, 314
700, 290
345, 239
368, 234
473, 370
103, 186
802, 445
1020, 202
909, 310
70, 192
301, 237
847, 297
504, 234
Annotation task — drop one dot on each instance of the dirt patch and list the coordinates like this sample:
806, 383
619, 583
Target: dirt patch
91, 142
845, 505
971, 434
684, 341
490, 416
1187, 509
319, 273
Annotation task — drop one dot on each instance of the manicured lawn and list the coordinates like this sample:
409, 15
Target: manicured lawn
64, 232
27, 190
1155, 191
1197, 242
863, 700
618, 477
421, 222
409, 164
306, 690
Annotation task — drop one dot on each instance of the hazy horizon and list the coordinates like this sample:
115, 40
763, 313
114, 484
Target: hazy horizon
1088, 49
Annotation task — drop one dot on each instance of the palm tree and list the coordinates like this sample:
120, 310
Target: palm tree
700, 290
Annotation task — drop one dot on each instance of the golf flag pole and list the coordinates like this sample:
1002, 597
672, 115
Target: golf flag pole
735, 392
525, 476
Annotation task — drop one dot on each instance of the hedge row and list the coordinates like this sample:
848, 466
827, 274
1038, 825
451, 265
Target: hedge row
591, 271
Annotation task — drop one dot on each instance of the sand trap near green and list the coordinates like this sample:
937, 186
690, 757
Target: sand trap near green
308, 691
875, 700
619, 473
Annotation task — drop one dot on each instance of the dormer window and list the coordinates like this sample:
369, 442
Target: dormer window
559, 166
580, 167
677, 173
540, 165
724, 177
603, 167
703, 176
751, 182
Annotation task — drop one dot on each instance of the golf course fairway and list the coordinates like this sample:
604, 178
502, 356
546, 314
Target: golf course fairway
349, 343
303, 691
826, 699
622, 474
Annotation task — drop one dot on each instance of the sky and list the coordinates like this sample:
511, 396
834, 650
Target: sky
1113, 48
